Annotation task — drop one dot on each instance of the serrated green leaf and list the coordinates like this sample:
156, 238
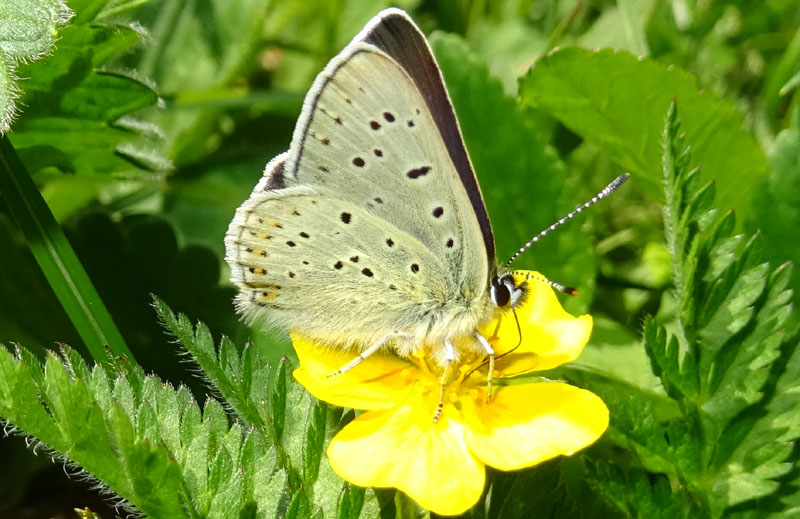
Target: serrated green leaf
351, 501
220, 368
714, 357
622, 112
277, 399
637, 494
299, 508
315, 440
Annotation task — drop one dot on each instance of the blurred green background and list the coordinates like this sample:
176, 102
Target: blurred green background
220, 86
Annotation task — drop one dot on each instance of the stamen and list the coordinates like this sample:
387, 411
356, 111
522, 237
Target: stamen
490, 353
423, 364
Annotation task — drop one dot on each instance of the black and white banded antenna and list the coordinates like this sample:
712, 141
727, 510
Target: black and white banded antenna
596, 198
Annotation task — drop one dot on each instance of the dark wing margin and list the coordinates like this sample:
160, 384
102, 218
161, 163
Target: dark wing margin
395, 34
274, 176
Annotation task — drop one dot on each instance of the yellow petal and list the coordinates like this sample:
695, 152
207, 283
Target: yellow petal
550, 336
379, 382
402, 448
526, 424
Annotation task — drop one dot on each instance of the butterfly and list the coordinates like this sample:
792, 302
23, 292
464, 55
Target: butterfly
371, 231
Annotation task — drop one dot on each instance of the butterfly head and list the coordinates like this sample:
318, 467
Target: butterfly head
505, 292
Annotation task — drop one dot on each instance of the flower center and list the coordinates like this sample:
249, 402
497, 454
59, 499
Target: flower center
465, 378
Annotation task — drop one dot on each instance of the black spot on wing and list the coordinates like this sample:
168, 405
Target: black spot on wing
388, 116
438, 212
418, 172
345, 217
358, 162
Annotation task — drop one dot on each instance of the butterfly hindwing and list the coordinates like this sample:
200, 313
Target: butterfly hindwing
329, 268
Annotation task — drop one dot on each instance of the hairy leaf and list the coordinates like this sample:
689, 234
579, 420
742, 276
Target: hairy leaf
28, 30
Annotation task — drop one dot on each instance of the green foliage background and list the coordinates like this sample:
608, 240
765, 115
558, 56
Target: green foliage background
134, 128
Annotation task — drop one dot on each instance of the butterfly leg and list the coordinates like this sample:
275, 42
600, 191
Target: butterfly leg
449, 357
364, 354
489, 353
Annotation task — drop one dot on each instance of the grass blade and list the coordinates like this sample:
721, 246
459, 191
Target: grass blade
57, 259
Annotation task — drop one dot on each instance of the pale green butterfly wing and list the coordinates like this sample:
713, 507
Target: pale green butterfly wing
393, 32
374, 142
328, 268
385, 190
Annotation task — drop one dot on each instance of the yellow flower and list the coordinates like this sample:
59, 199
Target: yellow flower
441, 465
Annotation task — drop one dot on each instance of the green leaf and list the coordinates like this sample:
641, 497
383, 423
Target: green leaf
199, 49
776, 204
617, 102
96, 432
277, 399
315, 441
75, 97
28, 30
351, 501
638, 494
299, 508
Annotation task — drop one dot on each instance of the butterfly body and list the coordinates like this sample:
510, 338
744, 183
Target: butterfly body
371, 230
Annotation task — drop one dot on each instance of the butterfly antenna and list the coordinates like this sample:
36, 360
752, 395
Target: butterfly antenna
564, 289
596, 198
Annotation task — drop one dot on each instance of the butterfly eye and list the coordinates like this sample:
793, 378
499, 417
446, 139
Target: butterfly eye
500, 293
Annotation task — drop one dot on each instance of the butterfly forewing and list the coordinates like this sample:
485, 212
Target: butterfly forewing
370, 139
395, 34
365, 226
